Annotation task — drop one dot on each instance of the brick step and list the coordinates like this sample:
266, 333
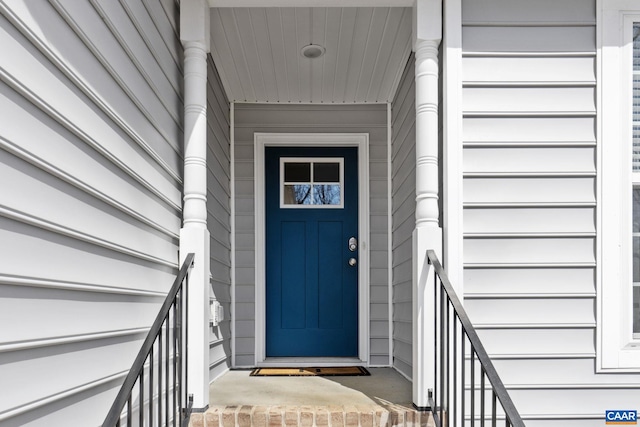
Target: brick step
312, 416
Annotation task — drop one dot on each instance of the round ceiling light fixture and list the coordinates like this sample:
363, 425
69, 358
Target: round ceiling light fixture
312, 51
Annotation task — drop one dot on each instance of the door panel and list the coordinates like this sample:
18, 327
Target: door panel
293, 313
329, 253
311, 290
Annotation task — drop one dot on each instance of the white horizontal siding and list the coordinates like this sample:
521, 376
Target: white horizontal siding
506, 220
568, 71
37, 362
102, 312
582, 401
94, 23
529, 176
536, 342
546, 128
529, 280
517, 190
529, 250
71, 262
62, 39
523, 12
511, 100
541, 38
82, 166
558, 369
137, 240
538, 404
90, 172
518, 160
531, 312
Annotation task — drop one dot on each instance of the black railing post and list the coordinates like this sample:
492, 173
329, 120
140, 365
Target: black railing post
473, 388
167, 331
463, 402
186, 353
160, 348
151, 386
179, 344
455, 372
436, 393
482, 393
175, 366
441, 348
129, 412
493, 409
447, 355
141, 409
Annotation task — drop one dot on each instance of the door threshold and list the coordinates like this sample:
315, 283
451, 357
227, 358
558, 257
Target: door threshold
302, 362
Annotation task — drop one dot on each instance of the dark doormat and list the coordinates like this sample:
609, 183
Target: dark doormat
346, 371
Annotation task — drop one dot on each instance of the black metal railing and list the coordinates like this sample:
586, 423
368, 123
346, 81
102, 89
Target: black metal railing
467, 387
160, 369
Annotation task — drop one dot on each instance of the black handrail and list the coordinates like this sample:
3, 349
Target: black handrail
174, 308
447, 400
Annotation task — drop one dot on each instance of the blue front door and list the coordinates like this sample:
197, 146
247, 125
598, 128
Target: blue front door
311, 272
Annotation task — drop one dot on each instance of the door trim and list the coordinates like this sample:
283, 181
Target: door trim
361, 142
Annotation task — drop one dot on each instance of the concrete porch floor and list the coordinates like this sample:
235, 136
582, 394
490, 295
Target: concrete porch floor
382, 399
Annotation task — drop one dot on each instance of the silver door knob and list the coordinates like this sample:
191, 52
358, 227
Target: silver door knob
352, 262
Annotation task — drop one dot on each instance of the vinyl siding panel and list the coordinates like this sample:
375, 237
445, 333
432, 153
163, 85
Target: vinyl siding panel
501, 220
536, 342
514, 190
482, 100
90, 173
251, 118
530, 250
502, 160
219, 218
529, 137
530, 280
244, 246
541, 38
513, 69
403, 211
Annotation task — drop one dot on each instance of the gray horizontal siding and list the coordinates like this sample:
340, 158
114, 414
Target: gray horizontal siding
251, 118
219, 217
403, 211
90, 170
529, 114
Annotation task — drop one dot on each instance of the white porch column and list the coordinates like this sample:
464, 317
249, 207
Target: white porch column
428, 233
194, 236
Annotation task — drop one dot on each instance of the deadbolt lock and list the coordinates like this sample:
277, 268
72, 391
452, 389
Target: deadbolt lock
353, 244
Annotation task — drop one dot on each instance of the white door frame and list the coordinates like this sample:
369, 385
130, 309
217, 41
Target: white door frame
361, 142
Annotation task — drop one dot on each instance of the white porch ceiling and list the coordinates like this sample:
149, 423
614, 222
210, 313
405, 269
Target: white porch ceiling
257, 53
